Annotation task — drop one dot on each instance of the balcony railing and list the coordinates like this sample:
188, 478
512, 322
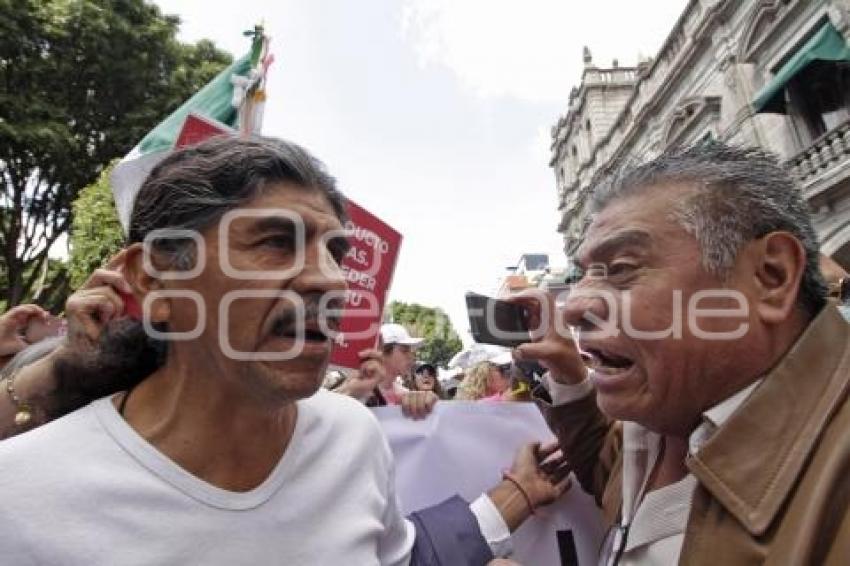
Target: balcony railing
625, 75
827, 151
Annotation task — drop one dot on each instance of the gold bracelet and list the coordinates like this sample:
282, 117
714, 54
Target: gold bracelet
23, 415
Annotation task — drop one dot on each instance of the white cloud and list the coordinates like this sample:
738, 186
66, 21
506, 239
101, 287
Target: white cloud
531, 50
494, 48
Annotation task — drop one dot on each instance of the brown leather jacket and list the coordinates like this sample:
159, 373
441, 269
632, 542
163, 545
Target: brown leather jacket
774, 480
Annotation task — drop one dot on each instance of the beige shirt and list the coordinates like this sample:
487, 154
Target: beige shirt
657, 519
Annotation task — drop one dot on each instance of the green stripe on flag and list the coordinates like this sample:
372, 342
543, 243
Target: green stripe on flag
212, 101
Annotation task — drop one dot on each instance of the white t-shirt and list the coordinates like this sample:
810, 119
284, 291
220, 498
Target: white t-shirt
86, 489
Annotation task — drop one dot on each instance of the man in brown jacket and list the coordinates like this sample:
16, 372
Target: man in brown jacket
714, 425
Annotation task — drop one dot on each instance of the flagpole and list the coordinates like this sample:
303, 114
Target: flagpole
233, 99
254, 87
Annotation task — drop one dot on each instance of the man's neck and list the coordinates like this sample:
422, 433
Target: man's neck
670, 466
211, 431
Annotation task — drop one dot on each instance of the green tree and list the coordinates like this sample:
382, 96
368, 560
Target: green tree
81, 82
432, 324
50, 289
96, 232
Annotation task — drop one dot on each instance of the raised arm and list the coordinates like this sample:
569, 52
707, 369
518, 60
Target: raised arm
591, 442
37, 393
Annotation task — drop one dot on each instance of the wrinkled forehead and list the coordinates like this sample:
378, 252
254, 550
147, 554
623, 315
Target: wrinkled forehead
285, 205
639, 220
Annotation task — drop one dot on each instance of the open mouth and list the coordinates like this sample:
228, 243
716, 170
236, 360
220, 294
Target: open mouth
607, 362
310, 332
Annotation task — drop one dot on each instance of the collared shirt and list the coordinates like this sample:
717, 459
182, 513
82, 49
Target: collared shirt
656, 520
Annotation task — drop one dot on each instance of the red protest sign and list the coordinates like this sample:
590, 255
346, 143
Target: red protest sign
368, 268
197, 128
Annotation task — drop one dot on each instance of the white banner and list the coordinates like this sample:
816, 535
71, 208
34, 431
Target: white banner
462, 448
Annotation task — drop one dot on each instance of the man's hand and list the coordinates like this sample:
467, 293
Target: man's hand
96, 303
543, 475
552, 343
13, 326
361, 383
418, 404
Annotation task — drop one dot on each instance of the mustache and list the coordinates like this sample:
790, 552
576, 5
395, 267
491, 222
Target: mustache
319, 319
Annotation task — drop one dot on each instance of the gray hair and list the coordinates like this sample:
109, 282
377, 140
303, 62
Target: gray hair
741, 194
194, 187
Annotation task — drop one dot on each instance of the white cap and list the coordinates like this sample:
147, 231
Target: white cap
502, 359
397, 334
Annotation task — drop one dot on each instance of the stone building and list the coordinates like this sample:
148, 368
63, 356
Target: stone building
771, 73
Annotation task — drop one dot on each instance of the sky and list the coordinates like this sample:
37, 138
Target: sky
435, 115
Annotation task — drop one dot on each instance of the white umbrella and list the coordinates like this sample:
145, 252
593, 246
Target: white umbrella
477, 353
449, 378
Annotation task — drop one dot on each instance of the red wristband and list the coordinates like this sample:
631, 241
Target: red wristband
507, 475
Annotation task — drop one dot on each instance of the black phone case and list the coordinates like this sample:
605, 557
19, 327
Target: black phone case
511, 317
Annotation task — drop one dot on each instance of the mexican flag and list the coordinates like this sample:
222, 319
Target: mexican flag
232, 99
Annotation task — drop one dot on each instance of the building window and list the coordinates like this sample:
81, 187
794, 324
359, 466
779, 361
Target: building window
819, 99
812, 87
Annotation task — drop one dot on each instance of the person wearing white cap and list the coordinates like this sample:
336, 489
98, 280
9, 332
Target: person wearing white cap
397, 348
398, 352
377, 383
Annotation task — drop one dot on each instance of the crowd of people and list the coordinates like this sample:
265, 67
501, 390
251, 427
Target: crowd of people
699, 392
406, 382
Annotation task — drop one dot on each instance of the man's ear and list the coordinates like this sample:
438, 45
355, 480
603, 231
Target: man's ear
143, 283
780, 261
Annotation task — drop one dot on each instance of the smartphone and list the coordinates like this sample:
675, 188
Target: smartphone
131, 306
497, 322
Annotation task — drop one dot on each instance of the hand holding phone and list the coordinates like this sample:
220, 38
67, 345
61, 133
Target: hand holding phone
493, 321
552, 345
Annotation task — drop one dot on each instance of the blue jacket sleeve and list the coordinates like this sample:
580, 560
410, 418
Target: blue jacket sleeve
448, 534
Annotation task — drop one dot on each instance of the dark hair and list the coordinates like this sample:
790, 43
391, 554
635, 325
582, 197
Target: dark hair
191, 189
194, 187
427, 367
740, 194
431, 370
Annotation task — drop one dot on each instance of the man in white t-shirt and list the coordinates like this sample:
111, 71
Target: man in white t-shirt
224, 452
